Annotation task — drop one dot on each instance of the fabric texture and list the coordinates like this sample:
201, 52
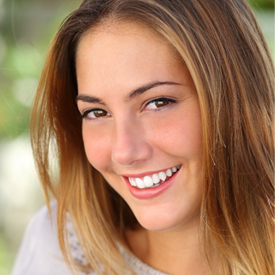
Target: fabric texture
40, 254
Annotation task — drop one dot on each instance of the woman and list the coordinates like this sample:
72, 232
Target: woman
169, 168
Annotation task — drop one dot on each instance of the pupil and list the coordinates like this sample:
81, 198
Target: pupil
161, 103
99, 113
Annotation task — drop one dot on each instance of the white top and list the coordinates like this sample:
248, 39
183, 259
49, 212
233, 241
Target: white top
40, 253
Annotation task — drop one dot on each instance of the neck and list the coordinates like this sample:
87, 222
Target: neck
175, 251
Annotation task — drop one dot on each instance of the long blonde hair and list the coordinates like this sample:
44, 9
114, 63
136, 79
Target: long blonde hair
221, 43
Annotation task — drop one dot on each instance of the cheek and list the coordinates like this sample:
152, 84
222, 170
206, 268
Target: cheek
191, 136
97, 146
180, 134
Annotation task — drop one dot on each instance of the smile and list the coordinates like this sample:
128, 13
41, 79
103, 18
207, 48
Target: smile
153, 180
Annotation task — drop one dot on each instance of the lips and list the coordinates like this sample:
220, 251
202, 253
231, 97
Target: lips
153, 180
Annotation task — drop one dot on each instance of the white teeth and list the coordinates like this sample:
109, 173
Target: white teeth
140, 183
132, 181
162, 176
169, 173
148, 181
155, 178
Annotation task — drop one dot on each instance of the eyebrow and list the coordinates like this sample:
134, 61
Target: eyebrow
136, 92
89, 99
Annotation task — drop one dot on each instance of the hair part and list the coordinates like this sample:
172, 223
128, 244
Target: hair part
222, 45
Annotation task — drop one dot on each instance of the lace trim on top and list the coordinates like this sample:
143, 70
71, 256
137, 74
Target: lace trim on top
138, 266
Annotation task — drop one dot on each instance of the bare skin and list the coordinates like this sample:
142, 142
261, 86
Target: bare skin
173, 252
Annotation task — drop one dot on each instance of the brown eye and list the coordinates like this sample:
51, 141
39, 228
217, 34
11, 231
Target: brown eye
94, 114
159, 103
99, 113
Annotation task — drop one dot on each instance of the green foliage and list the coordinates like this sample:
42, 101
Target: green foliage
25, 32
17, 70
5, 261
262, 4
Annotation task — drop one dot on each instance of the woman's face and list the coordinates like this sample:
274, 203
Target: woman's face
141, 123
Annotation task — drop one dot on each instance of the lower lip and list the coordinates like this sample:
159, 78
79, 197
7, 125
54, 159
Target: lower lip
148, 193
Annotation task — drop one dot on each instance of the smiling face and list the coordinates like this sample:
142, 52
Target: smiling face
141, 123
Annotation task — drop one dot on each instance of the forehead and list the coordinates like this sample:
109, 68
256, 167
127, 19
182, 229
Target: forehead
109, 33
123, 43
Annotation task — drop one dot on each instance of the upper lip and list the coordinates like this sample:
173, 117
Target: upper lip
146, 173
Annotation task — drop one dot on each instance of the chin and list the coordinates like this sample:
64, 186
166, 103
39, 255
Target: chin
166, 221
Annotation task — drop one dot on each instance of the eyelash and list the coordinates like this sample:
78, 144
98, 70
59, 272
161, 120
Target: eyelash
84, 115
162, 99
169, 101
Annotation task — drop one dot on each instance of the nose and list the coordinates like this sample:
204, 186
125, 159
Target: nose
130, 146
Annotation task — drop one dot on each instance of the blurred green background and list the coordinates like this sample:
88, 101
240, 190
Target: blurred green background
26, 28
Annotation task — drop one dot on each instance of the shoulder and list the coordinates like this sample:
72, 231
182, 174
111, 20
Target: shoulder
39, 252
